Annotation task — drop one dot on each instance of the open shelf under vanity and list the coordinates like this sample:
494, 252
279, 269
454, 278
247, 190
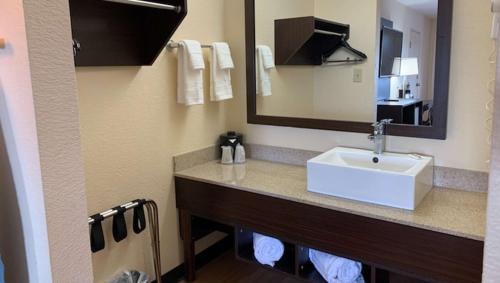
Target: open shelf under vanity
307, 271
295, 261
244, 251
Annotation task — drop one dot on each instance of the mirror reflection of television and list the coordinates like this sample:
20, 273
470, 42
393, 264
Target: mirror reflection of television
391, 46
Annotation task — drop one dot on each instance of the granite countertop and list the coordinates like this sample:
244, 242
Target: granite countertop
403, 102
453, 212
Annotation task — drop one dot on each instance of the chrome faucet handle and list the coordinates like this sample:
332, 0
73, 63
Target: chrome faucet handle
379, 127
381, 124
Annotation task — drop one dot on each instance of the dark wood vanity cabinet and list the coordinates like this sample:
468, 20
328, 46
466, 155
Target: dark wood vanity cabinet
390, 252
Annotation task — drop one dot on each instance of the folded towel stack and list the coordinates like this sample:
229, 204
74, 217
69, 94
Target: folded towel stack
220, 75
265, 63
336, 269
190, 73
267, 250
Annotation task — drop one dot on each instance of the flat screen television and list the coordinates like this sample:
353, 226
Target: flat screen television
391, 46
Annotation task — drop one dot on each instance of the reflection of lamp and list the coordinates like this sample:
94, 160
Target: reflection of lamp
404, 67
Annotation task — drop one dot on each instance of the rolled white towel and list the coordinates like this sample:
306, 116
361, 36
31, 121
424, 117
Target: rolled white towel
336, 269
267, 250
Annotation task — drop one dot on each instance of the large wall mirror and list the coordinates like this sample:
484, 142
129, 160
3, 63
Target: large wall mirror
344, 64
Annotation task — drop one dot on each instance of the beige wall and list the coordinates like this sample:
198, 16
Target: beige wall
131, 127
336, 96
292, 86
466, 146
325, 92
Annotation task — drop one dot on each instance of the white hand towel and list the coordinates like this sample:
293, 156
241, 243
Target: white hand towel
220, 75
267, 250
195, 54
336, 269
190, 73
267, 56
224, 57
265, 63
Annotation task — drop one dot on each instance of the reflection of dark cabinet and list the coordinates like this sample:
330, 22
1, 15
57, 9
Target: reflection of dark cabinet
306, 40
403, 111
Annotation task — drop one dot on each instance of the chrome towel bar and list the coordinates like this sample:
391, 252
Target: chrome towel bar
172, 45
148, 4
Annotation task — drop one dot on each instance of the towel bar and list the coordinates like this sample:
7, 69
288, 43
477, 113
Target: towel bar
147, 4
329, 32
172, 45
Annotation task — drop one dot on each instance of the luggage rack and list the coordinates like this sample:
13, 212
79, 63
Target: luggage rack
152, 211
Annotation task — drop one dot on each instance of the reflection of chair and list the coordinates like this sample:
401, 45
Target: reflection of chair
427, 113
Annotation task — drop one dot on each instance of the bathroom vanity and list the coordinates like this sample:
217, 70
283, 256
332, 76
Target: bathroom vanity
441, 241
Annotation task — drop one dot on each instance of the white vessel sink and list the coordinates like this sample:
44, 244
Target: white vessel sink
391, 179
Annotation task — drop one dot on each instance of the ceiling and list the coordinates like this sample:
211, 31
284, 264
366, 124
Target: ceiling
426, 7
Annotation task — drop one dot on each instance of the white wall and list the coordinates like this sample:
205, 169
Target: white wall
48, 31
466, 146
12, 249
39, 116
491, 271
18, 121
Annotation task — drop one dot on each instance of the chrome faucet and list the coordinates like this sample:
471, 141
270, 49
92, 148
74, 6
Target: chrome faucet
378, 137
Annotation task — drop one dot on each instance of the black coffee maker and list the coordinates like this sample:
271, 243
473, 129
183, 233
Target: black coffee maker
230, 139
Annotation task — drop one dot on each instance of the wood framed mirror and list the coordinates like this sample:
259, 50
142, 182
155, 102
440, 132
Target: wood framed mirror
406, 72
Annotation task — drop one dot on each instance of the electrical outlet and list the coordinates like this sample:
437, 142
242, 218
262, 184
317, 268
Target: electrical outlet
357, 76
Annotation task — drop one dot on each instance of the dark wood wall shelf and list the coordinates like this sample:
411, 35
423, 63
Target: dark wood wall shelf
115, 34
298, 43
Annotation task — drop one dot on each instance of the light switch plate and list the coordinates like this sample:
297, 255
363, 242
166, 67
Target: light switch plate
357, 76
